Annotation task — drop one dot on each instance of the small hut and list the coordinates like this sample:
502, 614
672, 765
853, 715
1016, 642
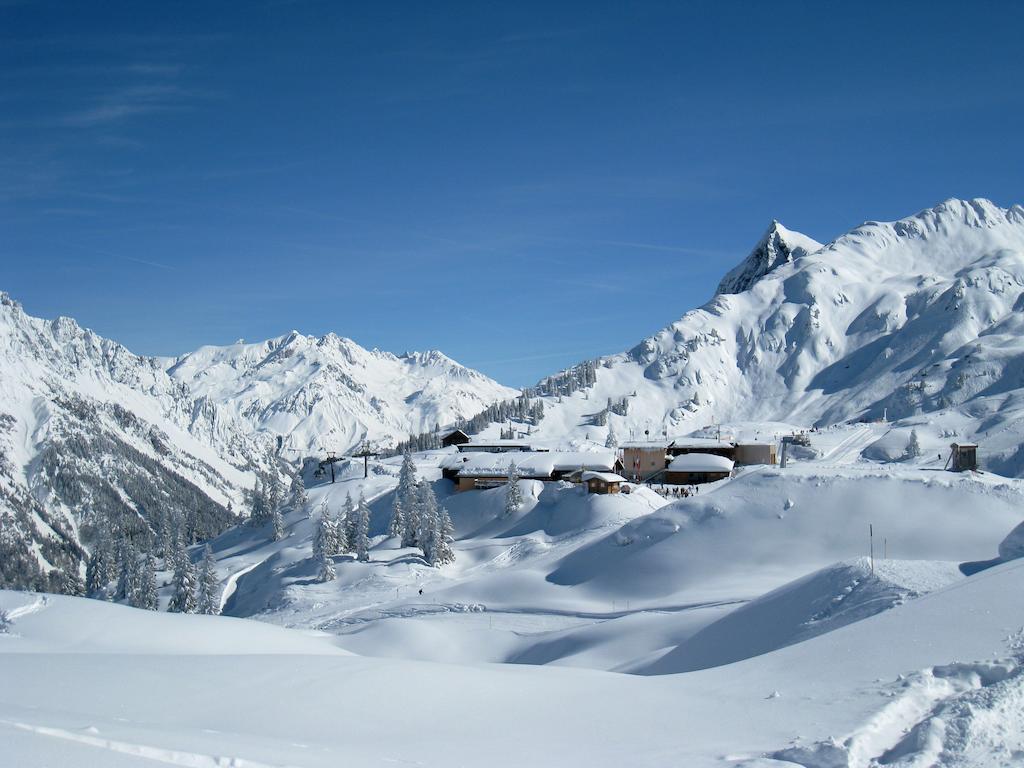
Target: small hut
964, 457
603, 482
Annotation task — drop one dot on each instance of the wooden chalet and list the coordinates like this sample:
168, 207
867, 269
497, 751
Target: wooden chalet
603, 482
454, 437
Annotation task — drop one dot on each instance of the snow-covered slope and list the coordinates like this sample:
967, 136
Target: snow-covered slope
935, 681
91, 433
329, 392
921, 316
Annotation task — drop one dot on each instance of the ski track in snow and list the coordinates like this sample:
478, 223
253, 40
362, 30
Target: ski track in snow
35, 606
158, 754
849, 450
441, 608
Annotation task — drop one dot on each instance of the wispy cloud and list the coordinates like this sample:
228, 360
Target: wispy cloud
148, 263
131, 101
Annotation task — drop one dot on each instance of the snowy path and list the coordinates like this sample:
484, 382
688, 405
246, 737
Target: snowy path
849, 450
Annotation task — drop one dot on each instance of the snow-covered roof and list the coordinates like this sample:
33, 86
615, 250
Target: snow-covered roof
701, 442
608, 477
530, 464
700, 462
678, 442
648, 444
567, 461
482, 444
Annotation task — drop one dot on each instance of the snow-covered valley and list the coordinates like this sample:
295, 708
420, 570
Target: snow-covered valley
858, 606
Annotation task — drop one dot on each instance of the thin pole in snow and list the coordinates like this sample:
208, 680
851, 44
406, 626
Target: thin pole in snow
885, 549
871, 538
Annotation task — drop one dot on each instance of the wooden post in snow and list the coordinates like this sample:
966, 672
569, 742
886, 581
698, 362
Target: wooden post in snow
871, 538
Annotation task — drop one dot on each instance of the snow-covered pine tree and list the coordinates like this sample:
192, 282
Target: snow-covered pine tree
913, 449
442, 539
406, 501
146, 595
207, 586
183, 600
362, 530
100, 569
426, 510
174, 546
298, 491
274, 493
277, 524
396, 528
612, 441
513, 493
127, 579
257, 512
323, 541
347, 526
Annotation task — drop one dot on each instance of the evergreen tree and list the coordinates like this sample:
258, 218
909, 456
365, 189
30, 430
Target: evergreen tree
207, 585
176, 552
362, 530
100, 569
322, 546
146, 595
298, 491
71, 583
442, 539
426, 517
396, 528
127, 580
913, 449
612, 441
277, 524
406, 503
348, 526
257, 512
184, 598
274, 494
513, 493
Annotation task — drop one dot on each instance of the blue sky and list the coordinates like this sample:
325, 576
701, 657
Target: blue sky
522, 185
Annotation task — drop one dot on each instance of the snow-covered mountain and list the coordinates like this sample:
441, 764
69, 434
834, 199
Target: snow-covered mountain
919, 318
330, 393
90, 432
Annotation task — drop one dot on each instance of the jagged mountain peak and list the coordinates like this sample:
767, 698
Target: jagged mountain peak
776, 247
915, 318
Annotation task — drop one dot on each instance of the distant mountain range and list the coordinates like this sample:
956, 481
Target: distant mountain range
90, 431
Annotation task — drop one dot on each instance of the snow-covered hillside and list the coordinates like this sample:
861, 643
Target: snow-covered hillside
918, 319
90, 432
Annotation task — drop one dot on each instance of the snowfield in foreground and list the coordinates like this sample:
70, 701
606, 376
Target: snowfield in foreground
936, 678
